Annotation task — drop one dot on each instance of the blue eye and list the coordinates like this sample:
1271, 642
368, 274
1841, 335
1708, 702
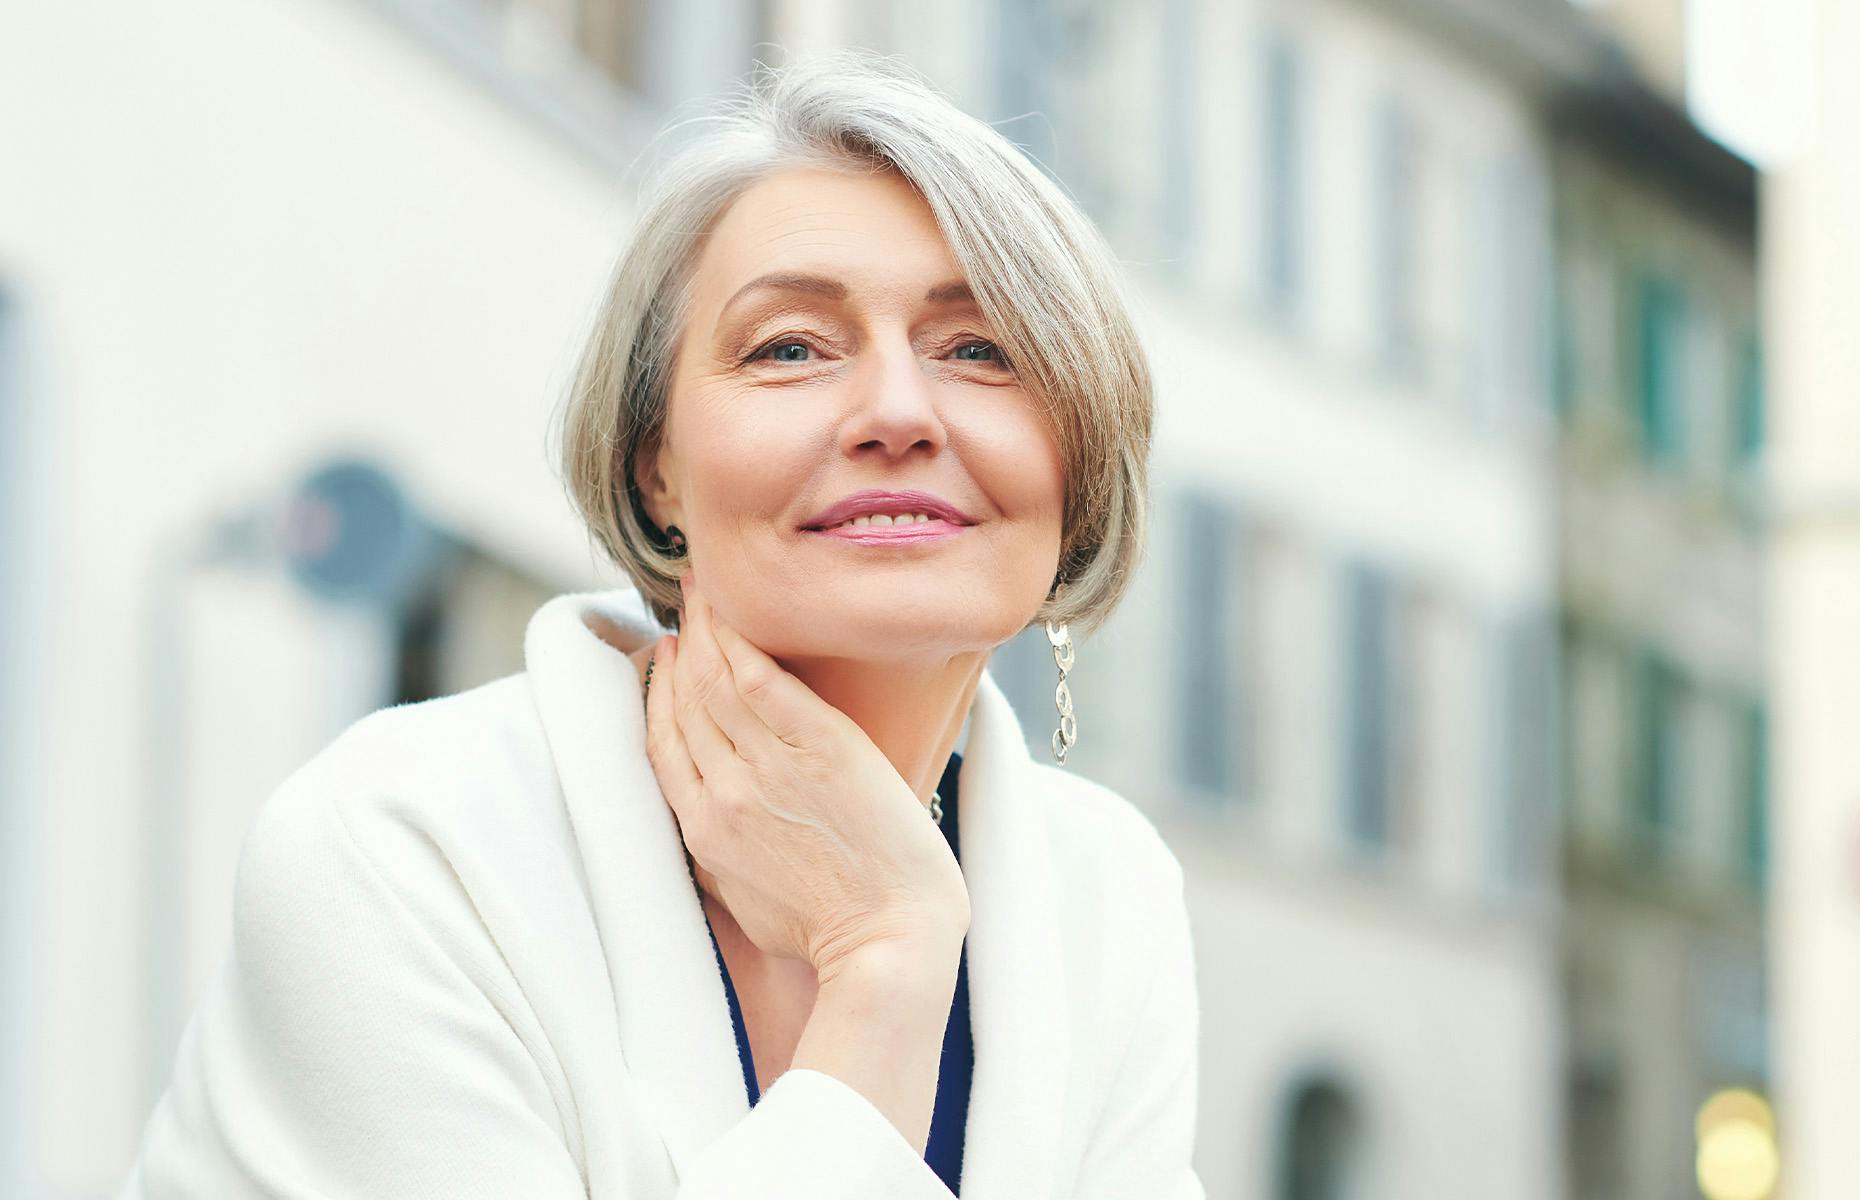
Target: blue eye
993, 352
774, 350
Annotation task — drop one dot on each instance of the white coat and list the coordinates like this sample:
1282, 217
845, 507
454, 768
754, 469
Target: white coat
468, 960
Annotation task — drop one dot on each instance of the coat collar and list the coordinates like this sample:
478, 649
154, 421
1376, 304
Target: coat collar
674, 1020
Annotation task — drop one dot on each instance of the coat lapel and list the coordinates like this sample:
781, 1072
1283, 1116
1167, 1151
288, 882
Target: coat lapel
1017, 1004
673, 1016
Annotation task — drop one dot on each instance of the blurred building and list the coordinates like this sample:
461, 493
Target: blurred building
1340, 653
283, 337
1659, 385
1651, 34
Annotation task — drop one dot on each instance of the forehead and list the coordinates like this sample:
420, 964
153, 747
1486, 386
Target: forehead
871, 230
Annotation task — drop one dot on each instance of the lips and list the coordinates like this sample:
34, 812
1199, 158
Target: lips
873, 501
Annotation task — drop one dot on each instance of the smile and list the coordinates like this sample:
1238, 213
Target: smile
882, 529
882, 519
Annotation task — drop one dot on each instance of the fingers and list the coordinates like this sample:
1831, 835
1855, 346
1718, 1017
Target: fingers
665, 744
718, 689
710, 749
784, 705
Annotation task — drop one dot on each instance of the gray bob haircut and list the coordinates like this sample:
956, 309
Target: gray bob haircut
1042, 275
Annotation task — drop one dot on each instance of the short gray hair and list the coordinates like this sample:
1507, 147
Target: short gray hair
1041, 273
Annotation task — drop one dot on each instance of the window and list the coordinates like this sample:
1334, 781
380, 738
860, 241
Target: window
1208, 724
1510, 292
1178, 132
465, 627
1748, 439
1396, 233
1659, 699
1282, 171
1527, 740
1754, 794
1566, 382
1369, 737
1321, 1148
1597, 1120
1661, 384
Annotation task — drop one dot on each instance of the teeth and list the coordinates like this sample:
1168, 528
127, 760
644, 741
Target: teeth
886, 519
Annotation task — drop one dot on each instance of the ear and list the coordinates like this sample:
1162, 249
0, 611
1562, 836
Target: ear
654, 475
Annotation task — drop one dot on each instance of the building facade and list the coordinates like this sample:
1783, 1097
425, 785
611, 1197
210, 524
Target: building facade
1660, 393
1334, 687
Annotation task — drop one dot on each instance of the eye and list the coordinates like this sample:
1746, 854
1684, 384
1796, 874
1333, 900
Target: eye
782, 350
990, 352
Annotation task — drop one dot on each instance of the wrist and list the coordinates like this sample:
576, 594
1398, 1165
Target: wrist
920, 964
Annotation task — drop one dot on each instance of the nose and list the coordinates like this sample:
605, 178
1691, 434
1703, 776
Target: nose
892, 409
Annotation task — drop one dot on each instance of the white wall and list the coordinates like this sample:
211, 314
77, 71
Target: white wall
247, 231
1812, 287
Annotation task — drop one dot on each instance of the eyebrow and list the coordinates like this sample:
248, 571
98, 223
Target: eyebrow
829, 288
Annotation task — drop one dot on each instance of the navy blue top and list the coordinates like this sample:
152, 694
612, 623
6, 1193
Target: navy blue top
944, 1151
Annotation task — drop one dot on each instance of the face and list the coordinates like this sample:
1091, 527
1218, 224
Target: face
832, 349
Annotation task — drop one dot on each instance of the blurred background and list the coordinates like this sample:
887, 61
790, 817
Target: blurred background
1493, 672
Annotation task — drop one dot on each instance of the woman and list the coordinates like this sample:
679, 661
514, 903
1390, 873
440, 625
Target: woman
689, 915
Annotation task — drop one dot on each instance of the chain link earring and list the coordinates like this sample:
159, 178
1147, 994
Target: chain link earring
1063, 655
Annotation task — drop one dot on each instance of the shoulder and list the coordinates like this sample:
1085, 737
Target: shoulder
473, 755
490, 732
428, 802
1095, 831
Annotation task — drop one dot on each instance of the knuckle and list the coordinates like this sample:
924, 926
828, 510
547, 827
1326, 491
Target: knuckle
755, 682
707, 679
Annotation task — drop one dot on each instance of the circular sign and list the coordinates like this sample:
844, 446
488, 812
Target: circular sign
350, 535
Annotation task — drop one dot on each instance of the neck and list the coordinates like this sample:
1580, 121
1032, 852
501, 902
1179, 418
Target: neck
912, 712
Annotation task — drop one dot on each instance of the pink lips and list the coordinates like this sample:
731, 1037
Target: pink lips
934, 530
872, 501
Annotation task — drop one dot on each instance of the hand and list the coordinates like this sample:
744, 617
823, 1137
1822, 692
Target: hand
811, 839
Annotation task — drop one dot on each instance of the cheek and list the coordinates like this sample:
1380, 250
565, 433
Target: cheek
740, 471
1021, 466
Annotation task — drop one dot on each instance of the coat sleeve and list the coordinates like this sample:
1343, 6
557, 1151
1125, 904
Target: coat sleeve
352, 1046
813, 1135
1146, 1133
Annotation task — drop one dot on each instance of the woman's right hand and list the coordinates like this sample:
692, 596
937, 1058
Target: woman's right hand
808, 835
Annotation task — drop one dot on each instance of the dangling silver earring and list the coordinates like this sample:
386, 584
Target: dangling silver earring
1068, 731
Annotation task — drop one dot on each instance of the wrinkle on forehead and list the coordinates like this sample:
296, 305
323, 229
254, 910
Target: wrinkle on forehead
770, 228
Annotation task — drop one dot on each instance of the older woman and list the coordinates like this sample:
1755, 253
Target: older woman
689, 916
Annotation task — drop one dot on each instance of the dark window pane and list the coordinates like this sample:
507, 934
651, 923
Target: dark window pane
1396, 232
1204, 645
1321, 1150
1282, 173
1661, 340
1369, 735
